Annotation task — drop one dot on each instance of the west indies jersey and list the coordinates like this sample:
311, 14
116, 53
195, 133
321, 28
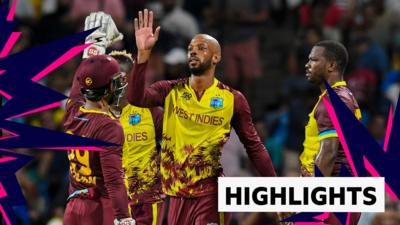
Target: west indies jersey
142, 128
194, 131
101, 171
320, 127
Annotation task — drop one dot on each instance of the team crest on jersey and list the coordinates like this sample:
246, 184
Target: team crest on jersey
186, 96
216, 103
134, 119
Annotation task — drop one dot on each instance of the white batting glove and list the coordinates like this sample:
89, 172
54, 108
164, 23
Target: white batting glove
106, 34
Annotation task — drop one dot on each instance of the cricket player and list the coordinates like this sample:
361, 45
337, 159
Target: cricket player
97, 194
327, 61
199, 112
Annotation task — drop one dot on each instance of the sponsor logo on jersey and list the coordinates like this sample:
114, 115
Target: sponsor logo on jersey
134, 119
216, 103
186, 96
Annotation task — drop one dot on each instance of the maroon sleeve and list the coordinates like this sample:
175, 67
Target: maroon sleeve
111, 164
324, 122
157, 114
244, 127
149, 97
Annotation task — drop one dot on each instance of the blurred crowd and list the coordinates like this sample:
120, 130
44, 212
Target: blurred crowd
265, 45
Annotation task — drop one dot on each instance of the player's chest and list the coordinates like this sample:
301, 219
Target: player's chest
137, 119
211, 102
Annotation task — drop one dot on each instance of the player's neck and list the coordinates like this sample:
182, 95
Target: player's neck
201, 83
331, 81
98, 106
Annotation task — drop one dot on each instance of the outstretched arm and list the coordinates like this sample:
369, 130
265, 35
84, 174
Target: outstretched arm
145, 40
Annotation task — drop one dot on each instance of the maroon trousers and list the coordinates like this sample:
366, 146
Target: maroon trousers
196, 211
89, 212
148, 214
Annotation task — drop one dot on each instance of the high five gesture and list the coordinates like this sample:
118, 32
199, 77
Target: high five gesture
145, 38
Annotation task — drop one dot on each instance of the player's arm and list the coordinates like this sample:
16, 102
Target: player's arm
329, 141
326, 157
145, 40
157, 113
244, 127
111, 165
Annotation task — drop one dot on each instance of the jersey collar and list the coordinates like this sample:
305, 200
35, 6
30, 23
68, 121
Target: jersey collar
337, 84
96, 111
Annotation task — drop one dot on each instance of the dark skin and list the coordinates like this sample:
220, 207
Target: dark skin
319, 68
204, 52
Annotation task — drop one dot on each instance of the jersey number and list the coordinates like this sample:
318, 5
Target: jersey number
81, 158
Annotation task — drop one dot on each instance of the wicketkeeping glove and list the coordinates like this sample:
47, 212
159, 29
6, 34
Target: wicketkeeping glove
106, 34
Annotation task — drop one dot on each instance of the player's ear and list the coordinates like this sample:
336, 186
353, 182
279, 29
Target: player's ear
216, 59
332, 66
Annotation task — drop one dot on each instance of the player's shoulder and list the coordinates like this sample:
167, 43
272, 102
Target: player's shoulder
104, 121
344, 93
108, 126
181, 82
239, 100
237, 94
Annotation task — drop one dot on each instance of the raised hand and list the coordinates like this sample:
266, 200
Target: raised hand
145, 38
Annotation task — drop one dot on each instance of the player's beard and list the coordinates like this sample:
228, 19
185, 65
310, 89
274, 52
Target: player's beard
198, 71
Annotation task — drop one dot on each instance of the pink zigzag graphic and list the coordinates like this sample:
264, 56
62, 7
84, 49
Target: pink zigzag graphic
10, 16
375, 173
7, 131
67, 56
64, 58
83, 148
50, 106
7, 96
310, 223
4, 215
10, 43
3, 160
336, 124
3, 194
367, 164
388, 129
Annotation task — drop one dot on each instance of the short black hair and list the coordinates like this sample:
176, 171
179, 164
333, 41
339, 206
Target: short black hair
335, 51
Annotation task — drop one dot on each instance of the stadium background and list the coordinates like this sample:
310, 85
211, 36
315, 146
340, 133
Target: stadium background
281, 32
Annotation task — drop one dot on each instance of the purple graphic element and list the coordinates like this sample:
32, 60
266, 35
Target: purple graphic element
336, 124
7, 96
4, 215
365, 154
64, 58
18, 76
10, 43
50, 106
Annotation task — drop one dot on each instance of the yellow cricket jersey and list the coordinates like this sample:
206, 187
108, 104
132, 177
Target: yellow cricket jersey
140, 154
193, 133
320, 126
195, 130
